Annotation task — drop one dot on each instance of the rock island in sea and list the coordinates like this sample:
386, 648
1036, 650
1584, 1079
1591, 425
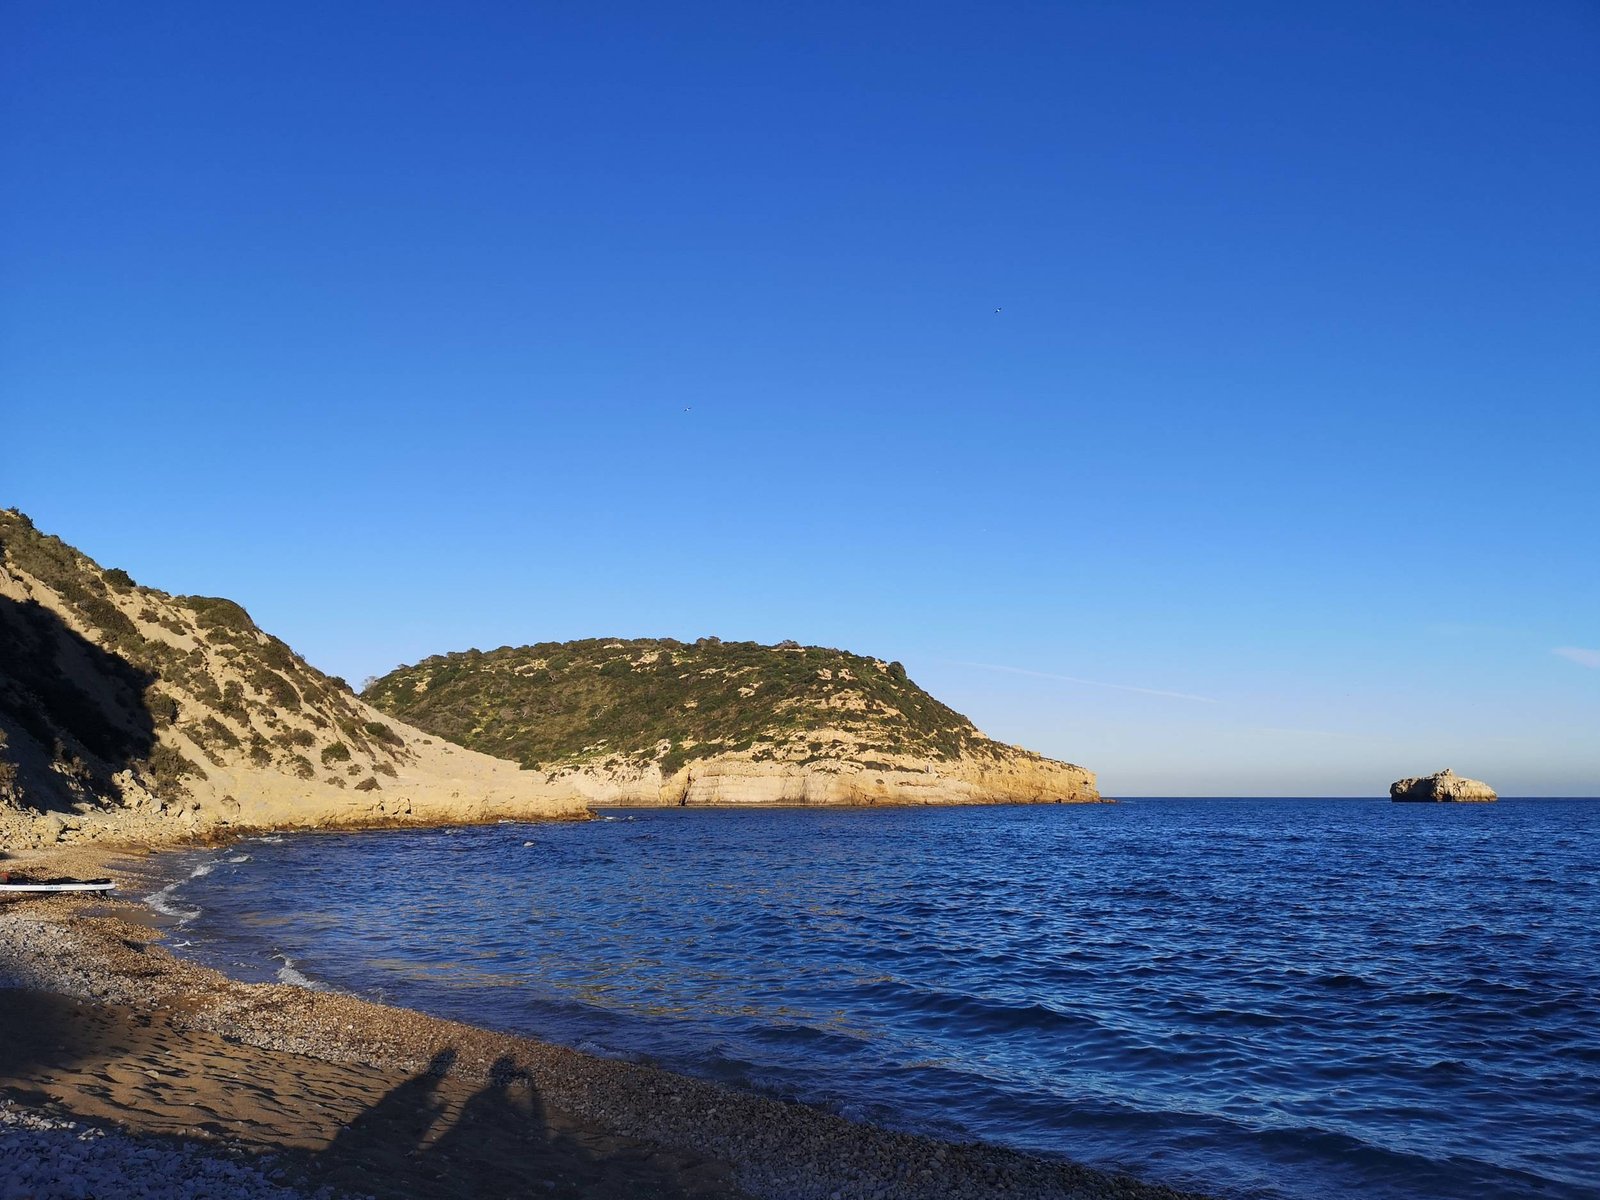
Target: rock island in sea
1441, 787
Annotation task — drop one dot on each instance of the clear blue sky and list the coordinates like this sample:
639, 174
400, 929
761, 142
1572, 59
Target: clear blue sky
416, 327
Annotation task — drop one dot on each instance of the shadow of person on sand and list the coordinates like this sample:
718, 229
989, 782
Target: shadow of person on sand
490, 1117
401, 1120
499, 1141
506, 1143
439, 1134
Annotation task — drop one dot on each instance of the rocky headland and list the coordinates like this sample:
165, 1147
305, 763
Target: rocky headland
655, 721
1441, 787
131, 714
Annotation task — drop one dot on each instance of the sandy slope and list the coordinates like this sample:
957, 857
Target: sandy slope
130, 714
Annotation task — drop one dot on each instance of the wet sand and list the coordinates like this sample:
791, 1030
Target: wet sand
104, 1026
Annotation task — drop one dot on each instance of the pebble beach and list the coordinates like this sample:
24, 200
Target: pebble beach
134, 1072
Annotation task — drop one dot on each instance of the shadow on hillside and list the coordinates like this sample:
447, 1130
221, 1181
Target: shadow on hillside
69, 703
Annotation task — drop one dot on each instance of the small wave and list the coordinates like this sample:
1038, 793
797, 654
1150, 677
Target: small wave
240, 858
934, 1006
1246, 1017
1342, 980
166, 903
293, 977
1425, 998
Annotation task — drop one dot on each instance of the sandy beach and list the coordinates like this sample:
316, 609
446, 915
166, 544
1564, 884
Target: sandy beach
319, 1091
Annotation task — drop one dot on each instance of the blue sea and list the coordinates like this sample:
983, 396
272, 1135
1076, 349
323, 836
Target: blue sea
1257, 998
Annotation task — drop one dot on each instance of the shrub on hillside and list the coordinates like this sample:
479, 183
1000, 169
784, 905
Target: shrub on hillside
214, 612
163, 708
169, 768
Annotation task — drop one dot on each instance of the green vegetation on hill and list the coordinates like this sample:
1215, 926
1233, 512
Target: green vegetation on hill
648, 699
99, 676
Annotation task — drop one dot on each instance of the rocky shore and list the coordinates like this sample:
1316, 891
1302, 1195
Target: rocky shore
124, 1056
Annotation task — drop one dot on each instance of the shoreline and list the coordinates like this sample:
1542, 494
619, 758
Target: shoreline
103, 832
94, 834
336, 1092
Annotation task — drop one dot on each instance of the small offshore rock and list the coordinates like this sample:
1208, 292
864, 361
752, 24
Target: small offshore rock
1440, 787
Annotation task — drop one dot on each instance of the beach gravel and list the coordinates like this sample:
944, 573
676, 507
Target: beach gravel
45, 1158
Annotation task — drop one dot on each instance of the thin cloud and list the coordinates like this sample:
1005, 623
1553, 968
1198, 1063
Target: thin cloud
1322, 733
1577, 654
1346, 735
1121, 687
1461, 629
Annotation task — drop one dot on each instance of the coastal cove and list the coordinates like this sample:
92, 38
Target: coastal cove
136, 1073
800, 602
1273, 998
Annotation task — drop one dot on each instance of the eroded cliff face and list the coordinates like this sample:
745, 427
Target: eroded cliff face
129, 713
737, 780
1441, 787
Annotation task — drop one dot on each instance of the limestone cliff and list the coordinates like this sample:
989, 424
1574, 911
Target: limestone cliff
1442, 786
127, 712
658, 721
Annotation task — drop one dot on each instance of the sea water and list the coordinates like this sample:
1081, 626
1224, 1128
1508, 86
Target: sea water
1258, 998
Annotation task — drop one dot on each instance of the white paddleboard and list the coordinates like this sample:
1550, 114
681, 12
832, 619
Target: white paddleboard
99, 885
